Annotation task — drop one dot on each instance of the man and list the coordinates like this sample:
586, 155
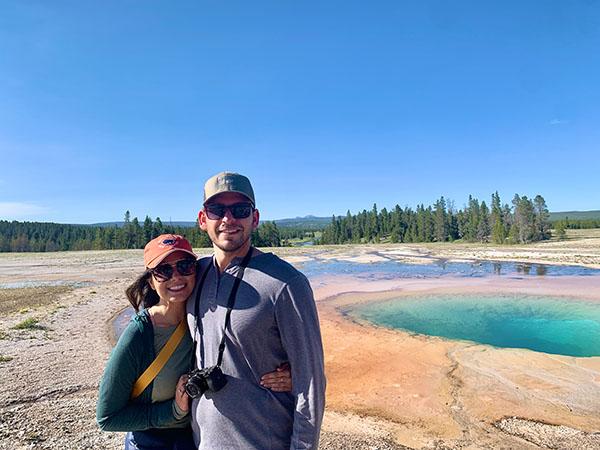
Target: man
273, 320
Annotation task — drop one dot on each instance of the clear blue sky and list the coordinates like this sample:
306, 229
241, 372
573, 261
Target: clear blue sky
327, 106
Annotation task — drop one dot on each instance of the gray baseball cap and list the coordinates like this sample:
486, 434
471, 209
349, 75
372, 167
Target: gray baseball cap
228, 182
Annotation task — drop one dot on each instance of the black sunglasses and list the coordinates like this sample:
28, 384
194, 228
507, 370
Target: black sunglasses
185, 267
215, 211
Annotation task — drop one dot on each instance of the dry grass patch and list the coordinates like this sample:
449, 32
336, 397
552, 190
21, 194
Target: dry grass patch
29, 324
18, 299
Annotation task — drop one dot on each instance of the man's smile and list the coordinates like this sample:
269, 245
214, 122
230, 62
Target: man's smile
230, 231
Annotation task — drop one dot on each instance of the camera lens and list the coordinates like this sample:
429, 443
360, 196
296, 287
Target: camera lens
193, 391
196, 385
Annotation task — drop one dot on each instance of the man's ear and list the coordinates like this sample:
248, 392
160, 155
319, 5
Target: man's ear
202, 220
255, 219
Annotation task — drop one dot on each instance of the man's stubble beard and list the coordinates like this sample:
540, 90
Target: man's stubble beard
236, 245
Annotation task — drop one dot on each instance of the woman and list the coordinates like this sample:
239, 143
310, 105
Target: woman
157, 416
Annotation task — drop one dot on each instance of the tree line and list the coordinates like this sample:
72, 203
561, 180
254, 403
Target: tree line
579, 224
49, 237
523, 221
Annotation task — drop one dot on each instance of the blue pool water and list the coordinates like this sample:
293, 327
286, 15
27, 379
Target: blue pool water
544, 324
437, 268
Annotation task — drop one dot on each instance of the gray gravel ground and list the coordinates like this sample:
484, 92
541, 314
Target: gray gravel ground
337, 441
48, 390
549, 436
49, 379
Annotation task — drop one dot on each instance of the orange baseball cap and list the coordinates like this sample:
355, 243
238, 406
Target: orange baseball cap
162, 246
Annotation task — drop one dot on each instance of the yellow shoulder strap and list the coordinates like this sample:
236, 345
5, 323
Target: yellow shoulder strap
161, 359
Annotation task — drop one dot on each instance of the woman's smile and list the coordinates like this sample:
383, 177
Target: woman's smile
177, 287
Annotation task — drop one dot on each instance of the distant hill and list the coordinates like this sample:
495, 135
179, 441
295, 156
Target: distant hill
309, 223
313, 223
575, 215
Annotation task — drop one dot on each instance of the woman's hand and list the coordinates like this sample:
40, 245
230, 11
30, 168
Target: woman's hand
280, 380
181, 397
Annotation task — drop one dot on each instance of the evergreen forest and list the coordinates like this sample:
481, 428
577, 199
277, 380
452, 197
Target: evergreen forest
49, 237
523, 221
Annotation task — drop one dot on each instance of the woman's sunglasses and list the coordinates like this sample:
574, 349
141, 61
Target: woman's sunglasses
216, 211
185, 267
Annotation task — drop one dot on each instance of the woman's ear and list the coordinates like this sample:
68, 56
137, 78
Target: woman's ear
150, 281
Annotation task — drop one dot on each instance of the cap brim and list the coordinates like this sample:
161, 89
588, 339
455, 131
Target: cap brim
156, 261
225, 192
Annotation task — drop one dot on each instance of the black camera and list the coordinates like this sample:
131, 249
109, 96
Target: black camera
202, 380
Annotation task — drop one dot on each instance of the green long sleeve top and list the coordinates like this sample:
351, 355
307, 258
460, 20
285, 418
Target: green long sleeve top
134, 352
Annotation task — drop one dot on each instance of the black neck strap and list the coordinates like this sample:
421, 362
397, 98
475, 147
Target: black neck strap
230, 300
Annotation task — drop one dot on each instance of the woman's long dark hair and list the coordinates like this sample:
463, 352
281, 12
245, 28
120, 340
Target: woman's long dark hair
140, 294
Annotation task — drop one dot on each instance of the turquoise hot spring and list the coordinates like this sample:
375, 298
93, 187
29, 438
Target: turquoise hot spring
556, 325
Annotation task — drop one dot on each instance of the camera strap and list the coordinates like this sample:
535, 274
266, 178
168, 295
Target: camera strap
230, 304
231, 301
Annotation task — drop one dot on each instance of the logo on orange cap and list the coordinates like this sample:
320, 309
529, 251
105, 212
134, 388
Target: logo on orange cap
162, 246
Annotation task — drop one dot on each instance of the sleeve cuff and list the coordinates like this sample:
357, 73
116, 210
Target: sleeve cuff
177, 412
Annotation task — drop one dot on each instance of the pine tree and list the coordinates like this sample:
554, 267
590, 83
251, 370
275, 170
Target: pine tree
349, 227
524, 219
483, 228
440, 221
138, 235
158, 228
267, 235
452, 221
373, 225
542, 224
147, 229
384, 222
473, 218
497, 221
